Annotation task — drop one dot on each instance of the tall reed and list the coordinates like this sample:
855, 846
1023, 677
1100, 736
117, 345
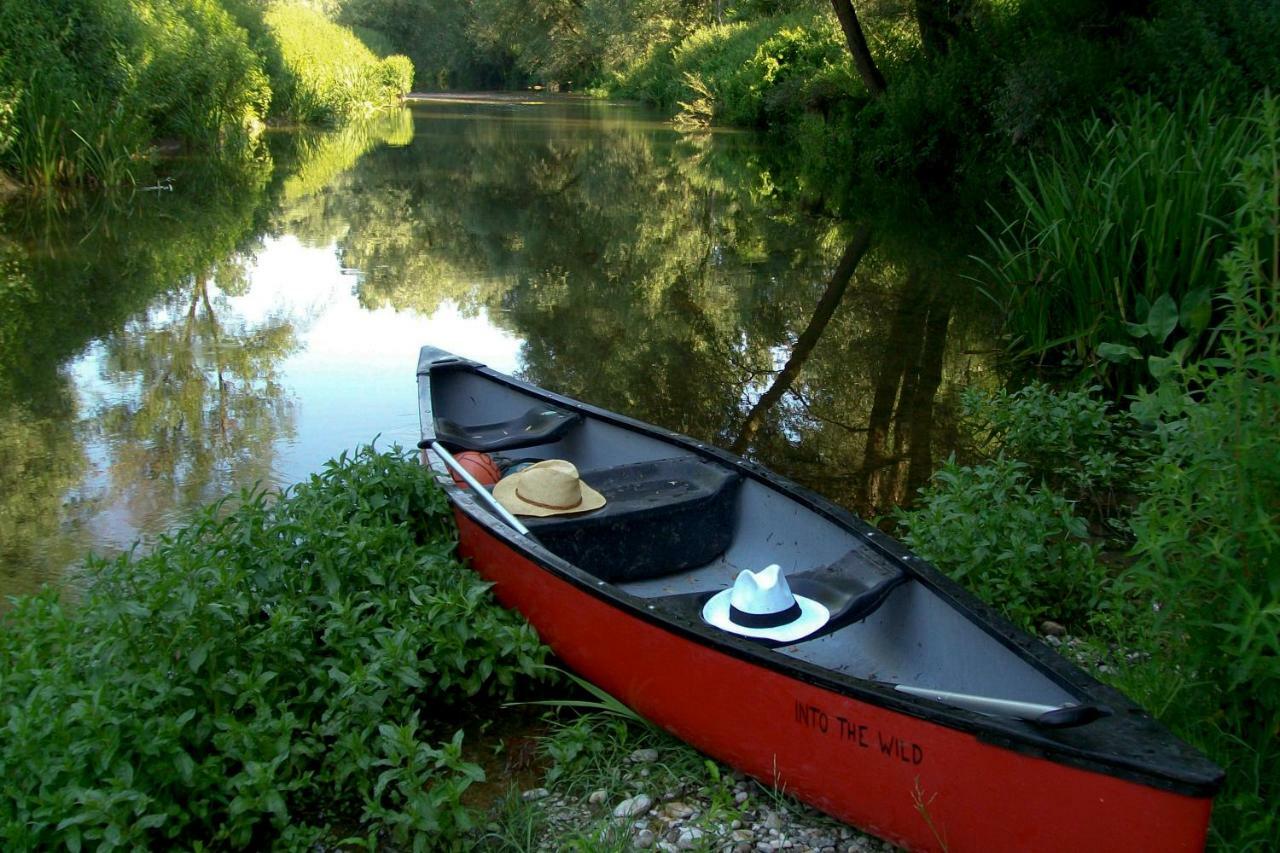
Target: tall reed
1121, 216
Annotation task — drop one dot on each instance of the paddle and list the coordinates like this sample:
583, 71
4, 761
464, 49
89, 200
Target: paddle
483, 493
1050, 716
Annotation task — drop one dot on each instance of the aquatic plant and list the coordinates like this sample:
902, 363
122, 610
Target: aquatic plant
1112, 255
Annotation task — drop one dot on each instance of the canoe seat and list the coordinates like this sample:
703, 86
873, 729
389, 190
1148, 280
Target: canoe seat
851, 588
539, 425
660, 517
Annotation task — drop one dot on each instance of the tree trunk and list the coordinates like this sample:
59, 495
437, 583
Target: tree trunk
827, 305
940, 22
871, 76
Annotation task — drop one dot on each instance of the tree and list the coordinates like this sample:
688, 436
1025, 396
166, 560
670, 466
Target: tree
857, 41
940, 22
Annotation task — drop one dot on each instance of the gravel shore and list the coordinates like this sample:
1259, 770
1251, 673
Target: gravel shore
738, 817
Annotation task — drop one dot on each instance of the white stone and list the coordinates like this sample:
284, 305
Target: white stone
633, 806
689, 838
534, 794
644, 756
645, 839
597, 797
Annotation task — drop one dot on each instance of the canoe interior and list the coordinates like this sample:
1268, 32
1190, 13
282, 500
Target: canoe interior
914, 637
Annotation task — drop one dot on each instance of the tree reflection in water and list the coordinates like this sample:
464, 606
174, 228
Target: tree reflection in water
672, 280
679, 280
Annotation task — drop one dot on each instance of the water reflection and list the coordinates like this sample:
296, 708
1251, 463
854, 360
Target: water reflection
164, 354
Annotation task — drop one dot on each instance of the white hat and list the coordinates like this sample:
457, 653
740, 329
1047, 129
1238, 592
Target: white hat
760, 604
551, 487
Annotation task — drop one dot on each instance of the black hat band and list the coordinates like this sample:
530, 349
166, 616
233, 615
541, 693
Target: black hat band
765, 620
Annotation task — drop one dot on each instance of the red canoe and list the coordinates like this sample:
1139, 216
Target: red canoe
914, 711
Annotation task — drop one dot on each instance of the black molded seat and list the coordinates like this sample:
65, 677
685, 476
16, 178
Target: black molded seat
539, 425
850, 588
659, 517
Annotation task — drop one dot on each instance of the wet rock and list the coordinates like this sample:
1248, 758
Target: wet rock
644, 756
633, 806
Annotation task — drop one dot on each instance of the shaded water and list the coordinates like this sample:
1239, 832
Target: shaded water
164, 351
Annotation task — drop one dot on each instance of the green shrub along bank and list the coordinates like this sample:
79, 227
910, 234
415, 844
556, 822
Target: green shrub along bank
86, 86
292, 670
327, 72
1180, 493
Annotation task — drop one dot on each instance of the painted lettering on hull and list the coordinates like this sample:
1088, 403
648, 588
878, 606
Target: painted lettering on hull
858, 735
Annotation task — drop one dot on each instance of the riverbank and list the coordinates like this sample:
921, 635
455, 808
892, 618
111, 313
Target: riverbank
313, 667
86, 90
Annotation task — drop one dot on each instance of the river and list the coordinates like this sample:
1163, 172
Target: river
242, 323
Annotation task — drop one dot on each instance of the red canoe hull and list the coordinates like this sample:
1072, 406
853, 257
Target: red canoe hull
911, 781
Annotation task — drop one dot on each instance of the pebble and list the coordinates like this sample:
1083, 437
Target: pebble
677, 810
644, 756
1052, 629
689, 838
686, 817
632, 806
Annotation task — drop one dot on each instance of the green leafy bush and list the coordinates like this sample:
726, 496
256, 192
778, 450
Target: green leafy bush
273, 674
1029, 555
1208, 532
326, 73
1074, 441
101, 79
754, 72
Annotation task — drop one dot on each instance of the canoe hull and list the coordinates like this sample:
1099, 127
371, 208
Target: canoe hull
911, 781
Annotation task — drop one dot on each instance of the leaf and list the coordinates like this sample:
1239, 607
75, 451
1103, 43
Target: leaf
196, 659
1196, 311
1118, 353
1162, 319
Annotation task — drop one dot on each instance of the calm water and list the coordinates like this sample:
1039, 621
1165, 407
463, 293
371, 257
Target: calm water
256, 320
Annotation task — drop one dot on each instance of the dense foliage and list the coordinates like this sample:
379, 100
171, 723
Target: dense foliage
327, 71
87, 85
1192, 478
970, 83
1114, 254
274, 673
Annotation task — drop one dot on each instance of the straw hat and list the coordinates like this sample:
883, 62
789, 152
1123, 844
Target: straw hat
761, 605
547, 488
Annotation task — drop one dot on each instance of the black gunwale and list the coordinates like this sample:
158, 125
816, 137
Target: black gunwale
1110, 747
